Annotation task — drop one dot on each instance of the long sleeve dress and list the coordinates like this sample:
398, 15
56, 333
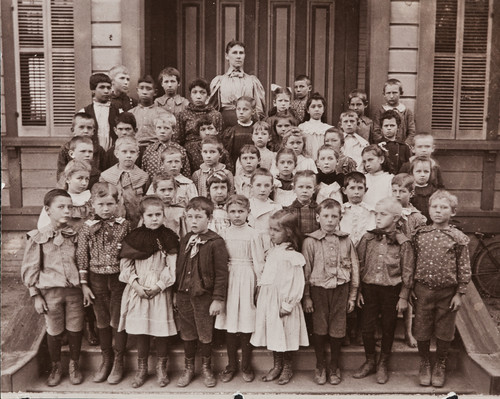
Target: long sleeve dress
246, 261
153, 316
281, 287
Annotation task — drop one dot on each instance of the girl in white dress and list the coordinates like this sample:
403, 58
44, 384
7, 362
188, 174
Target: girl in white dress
246, 260
314, 127
218, 186
378, 178
286, 161
147, 266
280, 323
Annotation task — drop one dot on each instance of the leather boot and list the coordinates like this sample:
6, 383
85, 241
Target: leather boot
382, 374
367, 368
286, 373
142, 372
89, 333
207, 373
116, 374
188, 373
55, 375
439, 372
424, 373
161, 372
105, 367
277, 367
75, 375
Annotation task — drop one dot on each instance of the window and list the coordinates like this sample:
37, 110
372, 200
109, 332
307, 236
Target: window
46, 66
460, 69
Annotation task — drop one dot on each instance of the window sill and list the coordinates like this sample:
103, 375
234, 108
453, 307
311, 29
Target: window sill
468, 145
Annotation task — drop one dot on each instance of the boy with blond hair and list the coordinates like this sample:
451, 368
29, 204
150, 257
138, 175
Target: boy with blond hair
120, 80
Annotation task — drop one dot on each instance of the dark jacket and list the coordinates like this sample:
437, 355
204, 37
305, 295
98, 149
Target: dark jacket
113, 114
211, 260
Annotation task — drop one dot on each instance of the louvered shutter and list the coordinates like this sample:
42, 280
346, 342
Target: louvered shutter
460, 59
46, 65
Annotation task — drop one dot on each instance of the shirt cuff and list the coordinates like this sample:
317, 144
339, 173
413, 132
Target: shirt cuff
162, 285
132, 278
404, 293
83, 276
287, 306
462, 288
34, 291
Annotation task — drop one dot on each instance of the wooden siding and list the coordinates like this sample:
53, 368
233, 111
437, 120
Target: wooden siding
497, 184
5, 178
38, 173
363, 45
5, 174
403, 47
106, 34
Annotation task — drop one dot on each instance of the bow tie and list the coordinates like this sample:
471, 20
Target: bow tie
193, 245
236, 74
219, 206
380, 234
60, 235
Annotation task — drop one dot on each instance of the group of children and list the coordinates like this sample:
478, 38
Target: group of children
273, 231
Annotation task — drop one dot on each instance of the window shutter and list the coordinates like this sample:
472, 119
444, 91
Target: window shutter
473, 70
46, 65
63, 62
460, 60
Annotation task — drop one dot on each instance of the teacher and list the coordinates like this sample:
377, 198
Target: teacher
227, 88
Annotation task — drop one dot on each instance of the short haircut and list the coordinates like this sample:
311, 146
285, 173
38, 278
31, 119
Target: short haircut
416, 160
218, 177
261, 172
76, 166
361, 94
290, 119
199, 82
443, 194
103, 189
126, 140
170, 151
117, 69
81, 115
328, 203
50, 196
348, 113
150, 200
128, 118
238, 199
392, 204
303, 77
250, 100
338, 132
404, 180
421, 135
204, 120
261, 125
250, 149
326, 147
233, 43
212, 140
316, 97
390, 114
169, 71
393, 82
147, 79
75, 140
201, 204
286, 151
166, 117
304, 173
356, 177
163, 176
97, 78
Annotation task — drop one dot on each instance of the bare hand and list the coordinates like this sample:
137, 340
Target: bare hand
40, 305
151, 293
308, 305
351, 304
284, 312
140, 290
361, 301
216, 307
88, 295
456, 302
402, 305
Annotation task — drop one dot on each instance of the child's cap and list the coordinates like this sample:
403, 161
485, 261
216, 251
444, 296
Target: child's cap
97, 78
51, 195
